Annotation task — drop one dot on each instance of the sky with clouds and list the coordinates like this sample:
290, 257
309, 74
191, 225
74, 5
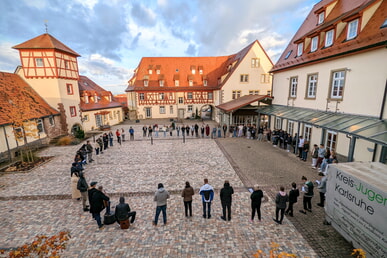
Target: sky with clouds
113, 35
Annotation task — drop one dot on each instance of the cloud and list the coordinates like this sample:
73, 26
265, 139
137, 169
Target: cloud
142, 15
9, 58
191, 50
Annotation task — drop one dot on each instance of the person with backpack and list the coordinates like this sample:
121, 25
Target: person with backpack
82, 186
307, 189
207, 193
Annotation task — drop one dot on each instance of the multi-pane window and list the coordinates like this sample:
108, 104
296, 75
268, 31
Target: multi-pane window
254, 62
39, 125
308, 132
236, 94
300, 48
209, 95
189, 95
189, 108
314, 44
73, 111
146, 82
161, 96
293, 87
181, 100
161, 83
321, 17
39, 62
170, 109
141, 96
244, 78
312, 86
337, 86
162, 109
329, 38
352, 29
253, 92
331, 140
69, 89
278, 123
265, 78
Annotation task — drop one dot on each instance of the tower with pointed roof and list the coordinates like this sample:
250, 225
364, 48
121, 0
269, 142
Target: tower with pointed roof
51, 68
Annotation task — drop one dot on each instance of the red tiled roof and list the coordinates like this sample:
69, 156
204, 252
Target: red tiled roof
90, 88
179, 68
46, 41
241, 102
14, 92
370, 37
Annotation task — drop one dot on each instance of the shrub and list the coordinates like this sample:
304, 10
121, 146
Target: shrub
65, 140
80, 134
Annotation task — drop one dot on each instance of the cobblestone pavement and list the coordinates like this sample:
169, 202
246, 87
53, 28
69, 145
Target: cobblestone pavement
39, 202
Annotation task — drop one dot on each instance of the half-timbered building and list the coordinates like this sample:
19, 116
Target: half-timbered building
185, 87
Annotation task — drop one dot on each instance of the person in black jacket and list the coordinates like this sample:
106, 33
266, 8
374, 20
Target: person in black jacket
97, 198
293, 195
82, 186
280, 202
256, 198
123, 212
226, 198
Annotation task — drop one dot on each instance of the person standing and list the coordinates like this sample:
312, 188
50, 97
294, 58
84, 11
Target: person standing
144, 130
322, 188
300, 146
99, 146
207, 193
224, 130
75, 193
219, 132
307, 189
160, 198
293, 196
187, 198
123, 134
123, 212
226, 199
97, 204
118, 135
178, 130
256, 199
280, 202
131, 132
314, 155
305, 150
82, 186
207, 130
110, 138
202, 129
320, 156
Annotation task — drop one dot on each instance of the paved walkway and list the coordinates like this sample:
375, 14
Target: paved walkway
38, 202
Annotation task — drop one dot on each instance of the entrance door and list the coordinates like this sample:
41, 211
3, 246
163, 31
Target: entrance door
180, 113
148, 112
98, 120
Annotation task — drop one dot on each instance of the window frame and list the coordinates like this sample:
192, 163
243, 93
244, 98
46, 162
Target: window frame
141, 96
353, 30
236, 94
161, 96
170, 109
340, 88
190, 108
73, 111
293, 87
329, 40
331, 140
189, 95
205, 83
70, 89
210, 95
255, 62
244, 78
177, 83
146, 83
311, 84
161, 83
290, 128
39, 62
40, 125
181, 100
162, 110
278, 123
300, 49
314, 44
308, 132
321, 18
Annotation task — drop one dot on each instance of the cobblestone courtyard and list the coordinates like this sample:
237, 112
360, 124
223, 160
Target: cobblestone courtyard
38, 202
